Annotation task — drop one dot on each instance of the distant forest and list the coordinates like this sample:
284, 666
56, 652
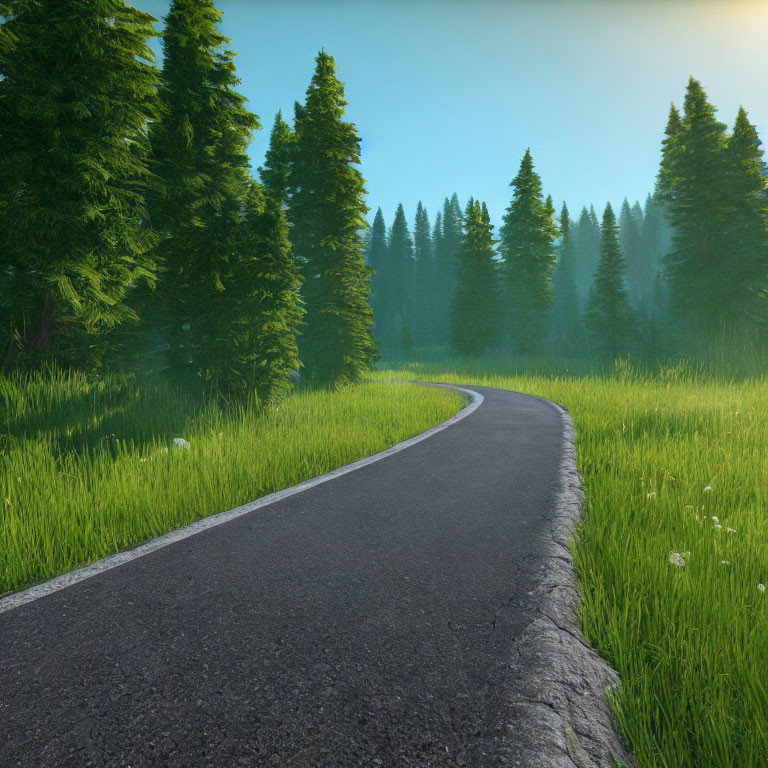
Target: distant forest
134, 234
416, 269
686, 268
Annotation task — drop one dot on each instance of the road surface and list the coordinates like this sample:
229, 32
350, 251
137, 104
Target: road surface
367, 621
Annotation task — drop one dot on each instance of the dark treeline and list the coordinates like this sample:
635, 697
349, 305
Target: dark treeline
132, 228
684, 269
134, 234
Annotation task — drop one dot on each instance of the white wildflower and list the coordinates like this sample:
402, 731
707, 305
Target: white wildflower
718, 526
708, 489
651, 494
675, 558
731, 530
185, 327
180, 442
715, 518
761, 587
725, 562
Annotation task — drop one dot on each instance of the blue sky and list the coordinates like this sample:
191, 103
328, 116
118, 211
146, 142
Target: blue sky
447, 95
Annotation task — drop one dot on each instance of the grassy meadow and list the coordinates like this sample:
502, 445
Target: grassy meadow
672, 553
90, 466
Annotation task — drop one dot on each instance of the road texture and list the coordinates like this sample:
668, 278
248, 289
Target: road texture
393, 616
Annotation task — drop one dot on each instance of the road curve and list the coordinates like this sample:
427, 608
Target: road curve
371, 620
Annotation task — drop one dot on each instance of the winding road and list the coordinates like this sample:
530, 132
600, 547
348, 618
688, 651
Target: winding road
371, 620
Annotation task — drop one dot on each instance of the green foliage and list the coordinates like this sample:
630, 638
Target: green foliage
447, 241
77, 91
264, 309
376, 258
566, 315
422, 300
639, 276
609, 316
527, 238
228, 305
376, 253
713, 186
327, 212
394, 283
586, 252
748, 246
475, 308
275, 173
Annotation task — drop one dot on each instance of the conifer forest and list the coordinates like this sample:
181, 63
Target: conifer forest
185, 329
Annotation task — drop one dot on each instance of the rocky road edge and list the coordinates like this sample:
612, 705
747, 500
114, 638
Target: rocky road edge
560, 693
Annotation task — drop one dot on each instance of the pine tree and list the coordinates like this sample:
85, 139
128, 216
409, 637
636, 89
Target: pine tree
327, 212
77, 91
609, 317
747, 247
527, 238
228, 284
276, 170
257, 333
586, 245
398, 281
656, 234
434, 291
422, 308
565, 310
665, 181
376, 258
475, 321
630, 232
446, 251
393, 284
694, 181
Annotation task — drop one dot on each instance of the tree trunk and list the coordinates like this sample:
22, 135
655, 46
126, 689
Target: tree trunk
42, 333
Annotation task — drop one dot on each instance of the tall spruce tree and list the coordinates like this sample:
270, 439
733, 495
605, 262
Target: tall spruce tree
705, 281
665, 181
422, 307
565, 315
446, 250
435, 297
276, 170
527, 238
376, 258
475, 321
609, 318
77, 91
327, 212
748, 240
394, 285
227, 284
257, 332
586, 244
656, 235
630, 233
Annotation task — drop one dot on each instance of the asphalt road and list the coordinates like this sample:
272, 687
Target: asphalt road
368, 621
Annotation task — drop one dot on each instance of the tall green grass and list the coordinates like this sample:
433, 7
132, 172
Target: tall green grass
690, 643
88, 467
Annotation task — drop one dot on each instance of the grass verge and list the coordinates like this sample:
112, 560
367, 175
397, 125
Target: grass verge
88, 467
672, 461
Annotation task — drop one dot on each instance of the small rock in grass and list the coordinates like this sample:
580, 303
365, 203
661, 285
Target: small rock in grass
675, 558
